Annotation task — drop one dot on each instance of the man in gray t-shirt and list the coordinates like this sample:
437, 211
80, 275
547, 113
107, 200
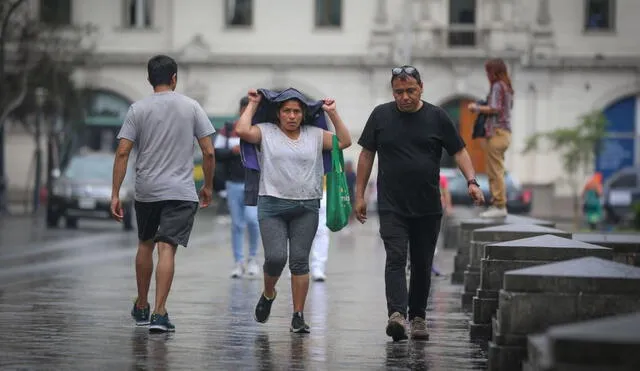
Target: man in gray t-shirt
162, 127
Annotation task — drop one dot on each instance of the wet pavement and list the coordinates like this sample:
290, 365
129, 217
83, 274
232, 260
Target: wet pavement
65, 301
30, 229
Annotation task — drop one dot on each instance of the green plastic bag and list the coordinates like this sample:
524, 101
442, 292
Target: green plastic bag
338, 199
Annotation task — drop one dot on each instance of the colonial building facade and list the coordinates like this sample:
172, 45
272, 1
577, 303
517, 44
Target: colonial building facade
566, 57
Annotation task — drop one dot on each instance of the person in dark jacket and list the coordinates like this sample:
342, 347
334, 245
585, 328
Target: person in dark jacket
227, 146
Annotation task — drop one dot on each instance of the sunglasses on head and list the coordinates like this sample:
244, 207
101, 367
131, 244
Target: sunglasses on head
406, 69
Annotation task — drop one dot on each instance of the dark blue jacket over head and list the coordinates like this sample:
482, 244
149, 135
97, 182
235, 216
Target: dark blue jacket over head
268, 112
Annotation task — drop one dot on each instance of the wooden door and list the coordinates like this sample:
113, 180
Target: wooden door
464, 120
453, 110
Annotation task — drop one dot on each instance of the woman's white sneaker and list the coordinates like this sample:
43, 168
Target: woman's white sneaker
237, 271
252, 268
494, 212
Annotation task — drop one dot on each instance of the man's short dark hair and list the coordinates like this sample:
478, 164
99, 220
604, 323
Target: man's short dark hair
244, 102
161, 69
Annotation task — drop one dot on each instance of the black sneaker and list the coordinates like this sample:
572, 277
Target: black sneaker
160, 323
140, 315
298, 325
263, 309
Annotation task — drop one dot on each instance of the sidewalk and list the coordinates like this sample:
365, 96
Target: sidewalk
78, 317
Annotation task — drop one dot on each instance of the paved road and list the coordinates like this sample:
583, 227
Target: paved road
65, 301
26, 229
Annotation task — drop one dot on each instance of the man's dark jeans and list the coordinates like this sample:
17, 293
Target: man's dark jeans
400, 234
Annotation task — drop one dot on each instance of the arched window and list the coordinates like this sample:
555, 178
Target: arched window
104, 112
619, 148
106, 104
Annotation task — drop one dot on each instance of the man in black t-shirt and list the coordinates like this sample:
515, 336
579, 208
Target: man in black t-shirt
408, 135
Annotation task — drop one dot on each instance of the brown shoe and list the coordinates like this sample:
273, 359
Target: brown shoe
419, 329
396, 327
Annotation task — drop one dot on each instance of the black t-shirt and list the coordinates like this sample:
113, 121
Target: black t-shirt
409, 147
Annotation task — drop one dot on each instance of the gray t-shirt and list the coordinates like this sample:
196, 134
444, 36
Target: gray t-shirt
291, 169
163, 126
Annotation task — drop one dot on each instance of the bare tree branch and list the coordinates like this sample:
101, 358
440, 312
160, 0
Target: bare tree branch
9, 105
3, 34
37, 50
16, 101
27, 43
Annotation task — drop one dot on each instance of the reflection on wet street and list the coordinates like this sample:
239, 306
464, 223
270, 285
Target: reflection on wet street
64, 304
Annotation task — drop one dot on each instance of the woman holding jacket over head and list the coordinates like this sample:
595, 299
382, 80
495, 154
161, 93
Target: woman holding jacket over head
290, 189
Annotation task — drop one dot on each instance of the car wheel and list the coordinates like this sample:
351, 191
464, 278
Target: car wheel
52, 218
71, 223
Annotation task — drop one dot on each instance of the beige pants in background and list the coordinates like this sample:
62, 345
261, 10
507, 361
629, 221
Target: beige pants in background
496, 146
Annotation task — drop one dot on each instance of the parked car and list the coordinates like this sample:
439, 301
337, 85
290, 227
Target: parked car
620, 192
83, 190
518, 199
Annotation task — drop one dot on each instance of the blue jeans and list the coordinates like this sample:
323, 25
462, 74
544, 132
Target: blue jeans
242, 216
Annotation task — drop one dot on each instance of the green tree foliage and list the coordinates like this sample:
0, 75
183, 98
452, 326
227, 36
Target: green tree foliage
577, 145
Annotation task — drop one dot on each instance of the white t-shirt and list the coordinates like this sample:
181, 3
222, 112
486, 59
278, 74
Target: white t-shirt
291, 169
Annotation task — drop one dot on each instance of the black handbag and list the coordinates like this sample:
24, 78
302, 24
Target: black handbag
479, 126
251, 186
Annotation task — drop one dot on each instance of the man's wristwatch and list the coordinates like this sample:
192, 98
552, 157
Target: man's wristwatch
473, 181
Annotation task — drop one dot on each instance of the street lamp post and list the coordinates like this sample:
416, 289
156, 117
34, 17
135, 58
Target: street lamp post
41, 97
50, 154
